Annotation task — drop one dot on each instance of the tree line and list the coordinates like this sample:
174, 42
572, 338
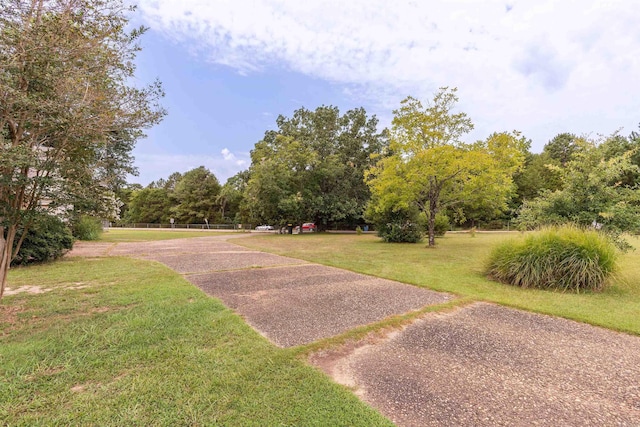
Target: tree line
340, 171
195, 197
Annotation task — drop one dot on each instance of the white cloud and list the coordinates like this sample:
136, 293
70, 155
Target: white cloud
542, 67
230, 157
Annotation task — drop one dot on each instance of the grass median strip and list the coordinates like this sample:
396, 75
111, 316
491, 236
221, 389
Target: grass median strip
382, 327
120, 341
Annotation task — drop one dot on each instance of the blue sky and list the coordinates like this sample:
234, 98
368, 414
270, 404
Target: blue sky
229, 68
216, 114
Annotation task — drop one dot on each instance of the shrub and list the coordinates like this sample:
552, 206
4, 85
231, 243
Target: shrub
401, 232
560, 258
48, 238
87, 228
399, 226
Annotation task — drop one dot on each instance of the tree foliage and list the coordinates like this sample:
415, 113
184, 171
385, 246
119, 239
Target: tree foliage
149, 205
188, 198
69, 116
537, 176
562, 148
47, 239
311, 168
231, 196
197, 194
597, 191
430, 167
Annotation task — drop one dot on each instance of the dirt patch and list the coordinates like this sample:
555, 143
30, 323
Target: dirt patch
27, 289
82, 388
34, 289
9, 317
46, 373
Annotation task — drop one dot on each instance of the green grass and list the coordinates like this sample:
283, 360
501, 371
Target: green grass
457, 265
142, 235
118, 341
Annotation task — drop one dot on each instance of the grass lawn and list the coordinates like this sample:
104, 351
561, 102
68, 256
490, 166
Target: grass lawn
456, 265
143, 235
117, 341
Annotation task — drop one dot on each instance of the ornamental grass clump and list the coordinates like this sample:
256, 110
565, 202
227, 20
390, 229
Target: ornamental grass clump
560, 258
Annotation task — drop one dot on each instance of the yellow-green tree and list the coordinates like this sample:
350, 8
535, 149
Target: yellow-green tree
430, 167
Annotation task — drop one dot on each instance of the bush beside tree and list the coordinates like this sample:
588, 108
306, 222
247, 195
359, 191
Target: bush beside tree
87, 228
399, 225
599, 190
47, 239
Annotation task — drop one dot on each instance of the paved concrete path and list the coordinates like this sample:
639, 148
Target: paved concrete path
291, 302
487, 365
480, 365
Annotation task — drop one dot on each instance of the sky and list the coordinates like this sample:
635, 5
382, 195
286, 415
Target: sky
229, 68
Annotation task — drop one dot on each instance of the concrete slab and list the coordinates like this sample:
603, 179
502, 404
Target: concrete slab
177, 246
190, 263
298, 305
142, 249
491, 365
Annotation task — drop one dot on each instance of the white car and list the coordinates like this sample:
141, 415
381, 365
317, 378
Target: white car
264, 228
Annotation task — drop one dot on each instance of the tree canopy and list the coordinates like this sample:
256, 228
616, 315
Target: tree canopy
197, 196
311, 168
430, 167
599, 190
69, 115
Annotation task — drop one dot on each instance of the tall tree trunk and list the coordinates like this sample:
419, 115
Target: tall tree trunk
434, 194
6, 254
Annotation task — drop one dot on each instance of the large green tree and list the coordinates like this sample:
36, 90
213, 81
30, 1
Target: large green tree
508, 152
197, 198
538, 175
617, 145
231, 196
562, 148
543, 171
69, 114
284, 183
430, 167
149, 205
311, 168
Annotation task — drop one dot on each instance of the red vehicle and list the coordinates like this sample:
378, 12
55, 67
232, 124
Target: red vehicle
308, 226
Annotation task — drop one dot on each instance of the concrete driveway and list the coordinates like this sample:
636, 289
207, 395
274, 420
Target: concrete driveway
291, 302
479, 365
